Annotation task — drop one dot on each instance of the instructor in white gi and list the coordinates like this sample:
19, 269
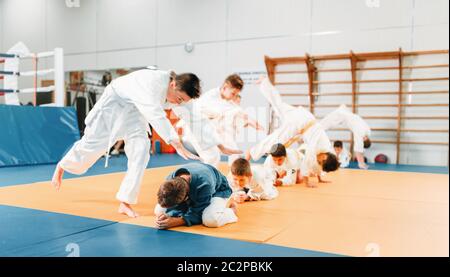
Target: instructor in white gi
124, 111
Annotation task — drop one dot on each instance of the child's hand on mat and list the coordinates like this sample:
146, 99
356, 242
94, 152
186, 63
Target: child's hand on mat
240, 197
170, 222
162, 217
278, 183
233, 205
282, 174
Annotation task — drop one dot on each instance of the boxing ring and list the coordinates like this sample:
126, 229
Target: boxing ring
11, 74
38, 134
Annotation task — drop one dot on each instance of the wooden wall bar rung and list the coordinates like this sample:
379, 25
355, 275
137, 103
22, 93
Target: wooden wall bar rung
425, 105
380, 105
380, 93
373, 129
378, 68
424, 143
332, 57
290, 83
379, 117
332, 94
365, 69
411, 142
426, 79
361, 56
428, 52
335, 82
405, 117
426, 66
293, 94
409, 117
334, 70
395, 130
404, 80
401, 142
371, 117
402, 105
424, 131
427, 92
426, 117
291, 72
289, 60
405, 67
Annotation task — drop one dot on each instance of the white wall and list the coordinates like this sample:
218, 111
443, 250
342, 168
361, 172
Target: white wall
229, 35
1, 24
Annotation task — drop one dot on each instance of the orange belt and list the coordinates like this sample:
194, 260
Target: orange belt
301, 132
307, 127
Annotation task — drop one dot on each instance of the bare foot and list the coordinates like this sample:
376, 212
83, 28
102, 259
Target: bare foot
57, 177
234, 207
126, 209
232, 204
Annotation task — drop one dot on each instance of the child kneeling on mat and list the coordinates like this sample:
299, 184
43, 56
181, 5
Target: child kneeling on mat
284, 165
251, 182
194, 194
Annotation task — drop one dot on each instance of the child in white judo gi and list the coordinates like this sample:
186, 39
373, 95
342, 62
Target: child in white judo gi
251, 182
297, 124
215, 121
343, 117
342, 153
194, 194
230, 124
124, 111
283, 165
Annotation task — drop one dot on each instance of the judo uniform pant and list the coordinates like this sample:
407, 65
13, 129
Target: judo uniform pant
281, 135
215, 215
292, 120
109, 122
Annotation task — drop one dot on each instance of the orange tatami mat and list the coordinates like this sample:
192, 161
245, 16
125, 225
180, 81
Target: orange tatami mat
360, 213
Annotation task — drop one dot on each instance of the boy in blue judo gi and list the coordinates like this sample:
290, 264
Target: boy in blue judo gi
194, 194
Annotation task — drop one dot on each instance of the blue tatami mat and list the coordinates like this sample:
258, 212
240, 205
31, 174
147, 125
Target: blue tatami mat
36, 233
405, 168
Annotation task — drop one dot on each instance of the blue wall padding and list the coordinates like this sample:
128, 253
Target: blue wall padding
36, 135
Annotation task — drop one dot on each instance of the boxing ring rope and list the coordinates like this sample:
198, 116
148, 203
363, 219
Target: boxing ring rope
57, 71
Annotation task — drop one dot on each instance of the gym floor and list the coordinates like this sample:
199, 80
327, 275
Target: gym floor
389, 210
